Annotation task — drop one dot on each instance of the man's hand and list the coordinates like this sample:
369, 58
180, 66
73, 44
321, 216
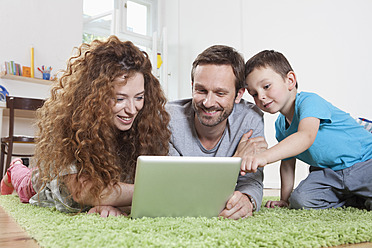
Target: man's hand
248, 147
105, 211
238, 206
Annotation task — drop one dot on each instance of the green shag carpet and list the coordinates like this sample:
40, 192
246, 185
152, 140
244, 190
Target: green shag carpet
268, 228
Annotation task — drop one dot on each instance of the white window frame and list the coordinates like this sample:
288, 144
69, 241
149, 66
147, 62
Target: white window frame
153, 41
119, 23
120, 28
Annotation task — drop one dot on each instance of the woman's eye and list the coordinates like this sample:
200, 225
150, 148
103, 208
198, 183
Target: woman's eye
140, 98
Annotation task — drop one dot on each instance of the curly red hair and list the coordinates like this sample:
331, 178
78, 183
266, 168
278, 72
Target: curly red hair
76, 123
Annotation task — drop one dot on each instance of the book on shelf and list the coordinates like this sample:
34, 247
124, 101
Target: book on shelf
7, 68
26, 71
13, 68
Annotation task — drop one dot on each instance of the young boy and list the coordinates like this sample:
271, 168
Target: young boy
337, 148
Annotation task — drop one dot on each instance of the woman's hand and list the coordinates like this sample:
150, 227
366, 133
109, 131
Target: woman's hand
105, 211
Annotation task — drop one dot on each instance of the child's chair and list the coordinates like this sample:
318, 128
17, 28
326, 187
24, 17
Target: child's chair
16, 103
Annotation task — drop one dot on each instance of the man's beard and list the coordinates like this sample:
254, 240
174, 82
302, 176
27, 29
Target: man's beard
211, 121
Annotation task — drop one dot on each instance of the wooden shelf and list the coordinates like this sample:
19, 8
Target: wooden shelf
26, 79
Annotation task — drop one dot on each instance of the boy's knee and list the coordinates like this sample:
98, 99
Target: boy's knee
298, 201
368, 204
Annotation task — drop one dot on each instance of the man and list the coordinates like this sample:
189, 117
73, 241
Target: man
216, 122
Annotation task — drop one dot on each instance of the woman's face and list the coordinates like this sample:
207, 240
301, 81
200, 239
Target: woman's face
129, 100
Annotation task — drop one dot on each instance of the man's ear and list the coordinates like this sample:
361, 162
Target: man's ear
239, 95
292, 80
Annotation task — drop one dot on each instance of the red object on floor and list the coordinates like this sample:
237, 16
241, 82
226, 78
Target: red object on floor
5, 189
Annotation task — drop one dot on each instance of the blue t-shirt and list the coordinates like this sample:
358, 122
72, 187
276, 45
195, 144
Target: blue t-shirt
340, 142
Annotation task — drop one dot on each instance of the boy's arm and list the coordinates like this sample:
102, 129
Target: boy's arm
289, 147
287, 176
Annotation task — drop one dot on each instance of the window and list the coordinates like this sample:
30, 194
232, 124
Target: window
97, 16
137, 18
133, 20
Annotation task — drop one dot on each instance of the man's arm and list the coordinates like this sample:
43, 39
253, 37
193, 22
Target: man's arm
247, 198
248, 146
172, 150
249, 189
251, 184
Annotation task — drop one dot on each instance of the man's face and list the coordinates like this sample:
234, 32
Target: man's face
213, 93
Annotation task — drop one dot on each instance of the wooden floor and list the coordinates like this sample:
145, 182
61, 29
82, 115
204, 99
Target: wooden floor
13, 236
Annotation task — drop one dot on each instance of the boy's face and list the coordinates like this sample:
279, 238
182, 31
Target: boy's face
270, 91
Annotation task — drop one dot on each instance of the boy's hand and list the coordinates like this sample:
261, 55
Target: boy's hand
251, 164
273, 204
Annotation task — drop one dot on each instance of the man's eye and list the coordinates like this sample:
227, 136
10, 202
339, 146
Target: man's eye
201, 91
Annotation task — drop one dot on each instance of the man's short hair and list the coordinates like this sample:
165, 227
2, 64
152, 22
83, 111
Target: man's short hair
222, 55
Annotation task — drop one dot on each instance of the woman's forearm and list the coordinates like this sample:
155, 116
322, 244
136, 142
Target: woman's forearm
119, 195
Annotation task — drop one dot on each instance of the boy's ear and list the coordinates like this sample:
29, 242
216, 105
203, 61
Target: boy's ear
291, 78
239, 95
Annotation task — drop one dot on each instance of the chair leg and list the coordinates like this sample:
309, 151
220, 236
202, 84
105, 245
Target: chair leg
2, 171
9, 155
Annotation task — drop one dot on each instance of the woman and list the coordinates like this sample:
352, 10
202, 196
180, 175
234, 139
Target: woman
106, 110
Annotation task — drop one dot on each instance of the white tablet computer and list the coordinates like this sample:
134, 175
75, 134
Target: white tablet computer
183, 186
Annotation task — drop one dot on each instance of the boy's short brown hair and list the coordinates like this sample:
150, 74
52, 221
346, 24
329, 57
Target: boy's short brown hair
269, 58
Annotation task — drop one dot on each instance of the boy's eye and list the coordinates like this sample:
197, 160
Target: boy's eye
252, 93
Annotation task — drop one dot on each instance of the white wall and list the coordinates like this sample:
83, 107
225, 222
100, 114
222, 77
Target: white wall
53, 28
328, 43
